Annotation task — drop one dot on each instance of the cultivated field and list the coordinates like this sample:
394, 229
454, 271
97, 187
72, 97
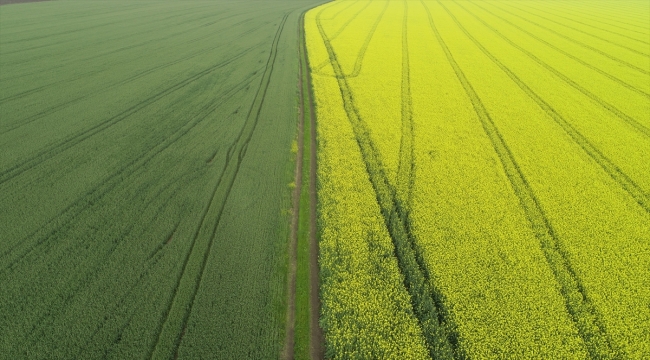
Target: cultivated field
484, 178
145, 164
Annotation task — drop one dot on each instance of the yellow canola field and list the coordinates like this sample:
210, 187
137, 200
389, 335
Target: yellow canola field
366, 311
514, 140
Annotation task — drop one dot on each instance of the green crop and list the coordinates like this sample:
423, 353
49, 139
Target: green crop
145, 153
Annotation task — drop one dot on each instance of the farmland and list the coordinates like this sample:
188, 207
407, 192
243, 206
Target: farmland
484, 178
145, 169
359, 179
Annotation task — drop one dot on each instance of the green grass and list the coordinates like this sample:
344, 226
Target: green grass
145, 152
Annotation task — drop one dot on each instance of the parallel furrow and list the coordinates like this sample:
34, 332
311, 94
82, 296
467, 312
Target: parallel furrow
113, 64
582, 311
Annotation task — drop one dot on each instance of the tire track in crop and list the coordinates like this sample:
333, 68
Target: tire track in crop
58, 43
592, 35
65, 298
72, 31
137, 76
261, 92
350, 20
75, 139
98, 191
113, 52
427, 301
62, 220
99, 55
148, 265
341, 29
596, 17
95, 194
84, 202
600, 28
609, 107
362, 51
239, 146
152, 259
352, 3
405, 168
607, 165
586, 46
618, 17
582, 311
602, 72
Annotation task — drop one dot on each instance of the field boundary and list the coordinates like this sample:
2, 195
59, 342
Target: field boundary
583, 313
288, 352
304, 268
316, 335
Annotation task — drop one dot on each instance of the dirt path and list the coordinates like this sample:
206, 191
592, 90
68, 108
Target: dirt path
289, 343
288, 351
317, 340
